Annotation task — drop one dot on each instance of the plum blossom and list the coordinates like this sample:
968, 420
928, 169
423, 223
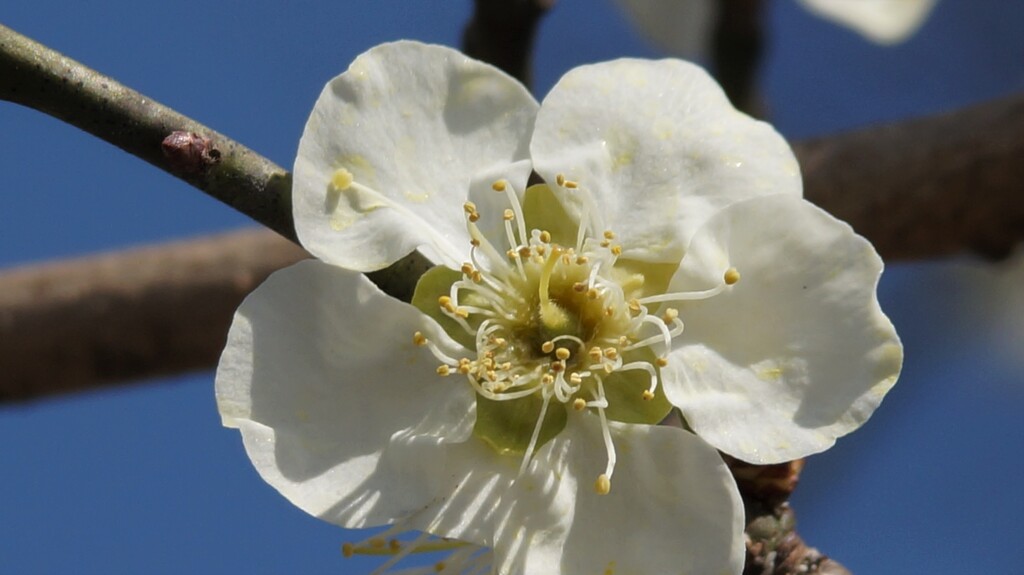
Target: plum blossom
629, 247
684, 26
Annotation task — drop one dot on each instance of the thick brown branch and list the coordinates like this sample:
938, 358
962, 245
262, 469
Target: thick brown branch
137, 314
929, 187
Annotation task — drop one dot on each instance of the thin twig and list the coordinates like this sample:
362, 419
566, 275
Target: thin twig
501, 32
736, 49
38, 77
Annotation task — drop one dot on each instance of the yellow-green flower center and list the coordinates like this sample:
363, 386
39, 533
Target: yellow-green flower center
555, 321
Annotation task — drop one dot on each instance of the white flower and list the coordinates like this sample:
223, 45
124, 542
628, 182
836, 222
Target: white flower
513, 406
882, 21
682, 26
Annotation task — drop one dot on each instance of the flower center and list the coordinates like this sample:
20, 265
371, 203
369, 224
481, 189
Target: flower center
554, 317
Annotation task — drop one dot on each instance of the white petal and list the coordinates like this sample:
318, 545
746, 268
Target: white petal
322, 378
413, 124
798, 352
681, 27
660, 147
673, 506
882, 21
482, 499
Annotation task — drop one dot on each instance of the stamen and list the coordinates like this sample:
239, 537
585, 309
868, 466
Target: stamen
644, 366
731, 276
341, 180
604, 481
536, 433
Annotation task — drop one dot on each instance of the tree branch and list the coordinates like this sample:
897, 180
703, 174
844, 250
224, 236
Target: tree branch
501, 32
137, 314
40, 78
929, 187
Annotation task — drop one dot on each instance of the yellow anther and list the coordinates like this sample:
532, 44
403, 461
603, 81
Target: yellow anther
609, 311
464, 369
511, 254
592, 293
461, 312
623, 341
524, 252
575, 378
545, 236
647, 395
603, 485
347, 550
547, 379
670, 315
634, 305
474, 242
582, 259
444, 370
731, 276
595, 353
508, 215
419, 339
605, 243
342, 179
541, 250
560, 179
498, 186
661, 362
609, 235
616, 250
608, 368
578, 404
470, 207
571, 184
476, 276
579, 287
566, 259
562, 353
611, 353
467, 268
547, 347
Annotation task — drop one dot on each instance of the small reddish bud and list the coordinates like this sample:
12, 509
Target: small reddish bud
189, 153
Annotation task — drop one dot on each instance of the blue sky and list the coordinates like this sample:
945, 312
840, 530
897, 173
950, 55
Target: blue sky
144, 479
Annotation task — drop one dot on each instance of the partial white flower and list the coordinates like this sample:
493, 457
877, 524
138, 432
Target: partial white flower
666, 258
882, 21
684, 26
